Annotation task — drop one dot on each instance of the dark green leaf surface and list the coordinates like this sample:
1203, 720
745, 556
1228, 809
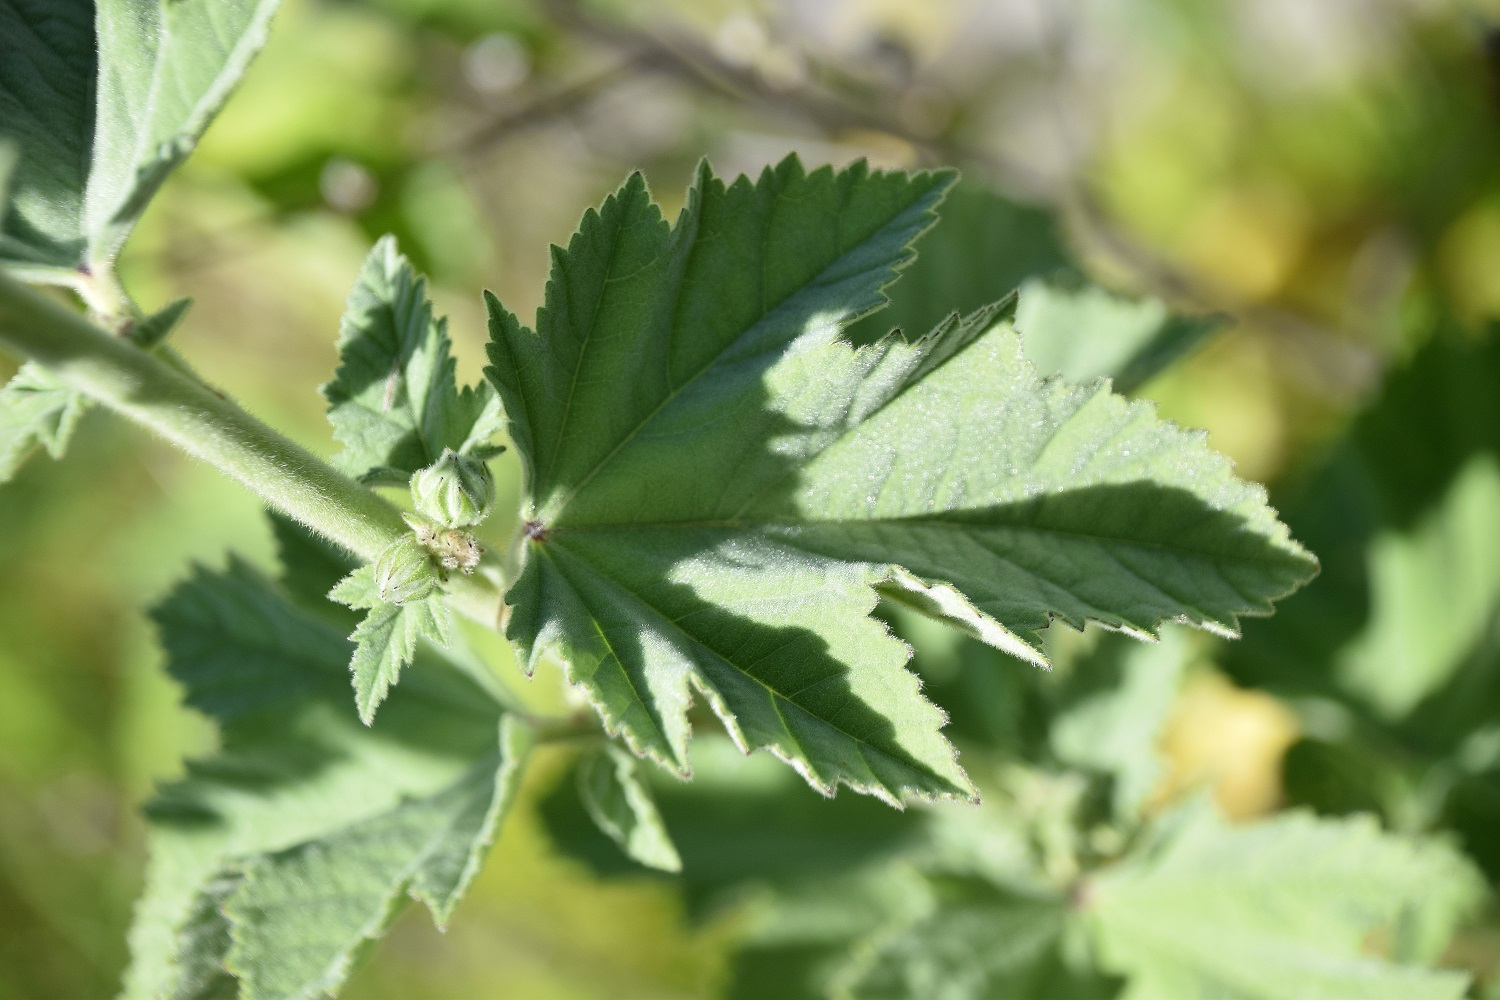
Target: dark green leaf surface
304, 807
718, 483
394, 402
47, 82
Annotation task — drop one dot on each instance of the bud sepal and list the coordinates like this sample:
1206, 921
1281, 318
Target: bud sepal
455, 492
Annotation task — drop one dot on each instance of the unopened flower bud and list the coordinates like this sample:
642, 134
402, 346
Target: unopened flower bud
456, 491
404, 572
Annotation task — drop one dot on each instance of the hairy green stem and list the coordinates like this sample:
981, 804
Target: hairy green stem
126, 379
119, 375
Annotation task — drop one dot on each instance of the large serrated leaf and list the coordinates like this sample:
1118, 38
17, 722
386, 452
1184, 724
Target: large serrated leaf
1283, 908
717, 483
104, 100
298, 774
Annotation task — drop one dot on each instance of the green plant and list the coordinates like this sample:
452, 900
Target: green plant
720, 486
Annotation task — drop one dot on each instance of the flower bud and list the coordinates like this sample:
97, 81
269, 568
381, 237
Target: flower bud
456, 491
404, 572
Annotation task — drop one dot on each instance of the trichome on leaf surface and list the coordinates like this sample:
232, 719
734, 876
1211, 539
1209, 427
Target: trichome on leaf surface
725, 472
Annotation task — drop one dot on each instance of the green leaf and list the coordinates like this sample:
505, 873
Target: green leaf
1445, 568
979, 942
298, 918
296, 768
982, 249
1394, 501
740, 820
1115, 730
47, 85
1084, 333
1286, 907
100, 132
37, 410
621, 805
385, 641
717, 483
394, 402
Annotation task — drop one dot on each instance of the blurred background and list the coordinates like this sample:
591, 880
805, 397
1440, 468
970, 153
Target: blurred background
1326, 172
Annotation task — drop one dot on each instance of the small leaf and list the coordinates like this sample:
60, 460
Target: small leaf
37, 410
394, 402
1083, 332
152, 331
1116, 730
1286, 907
717, 483
621, 805
386, 640
296, 767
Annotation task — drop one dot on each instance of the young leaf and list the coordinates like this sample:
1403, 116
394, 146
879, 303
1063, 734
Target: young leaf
386, 640
717, 483
1283, 908
621, 805
105, 99
394, 402
37, 410
296, 767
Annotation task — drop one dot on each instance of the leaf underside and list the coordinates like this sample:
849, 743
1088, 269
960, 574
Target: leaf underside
1283, 908
717, 483
104, 100
278, 858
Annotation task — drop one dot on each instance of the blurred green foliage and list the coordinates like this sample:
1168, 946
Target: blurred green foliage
1327, 174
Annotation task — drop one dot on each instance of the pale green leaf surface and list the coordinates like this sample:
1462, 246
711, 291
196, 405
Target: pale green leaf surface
1085, 332
394, 402
295, 764
37, 410
47, 79
165, 69
1444, 568
385, 641
979, 943
1283, 908
300, 917
717, 482
621, 805
104, 100
1117, 730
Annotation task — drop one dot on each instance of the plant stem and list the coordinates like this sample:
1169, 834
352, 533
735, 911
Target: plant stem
119, 375
122, 377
